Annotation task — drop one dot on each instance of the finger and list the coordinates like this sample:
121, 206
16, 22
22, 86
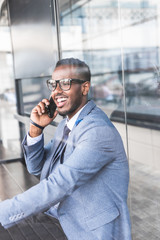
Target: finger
46, 101
38, 109
34, 110
42, 107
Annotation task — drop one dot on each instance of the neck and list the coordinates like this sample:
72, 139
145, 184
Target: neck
77, 110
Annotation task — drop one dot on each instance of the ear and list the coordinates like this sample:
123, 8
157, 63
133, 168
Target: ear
85, 88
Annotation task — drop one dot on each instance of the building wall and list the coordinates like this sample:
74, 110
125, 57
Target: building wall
143, 144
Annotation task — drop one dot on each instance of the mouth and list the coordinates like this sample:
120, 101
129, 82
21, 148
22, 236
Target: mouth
60, 101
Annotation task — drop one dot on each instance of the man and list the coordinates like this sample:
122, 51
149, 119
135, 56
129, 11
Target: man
84, 179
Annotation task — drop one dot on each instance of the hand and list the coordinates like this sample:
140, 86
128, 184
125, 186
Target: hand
39, 115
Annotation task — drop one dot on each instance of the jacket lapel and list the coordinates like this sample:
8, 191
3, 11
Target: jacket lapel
59, 133
86, 110
50, 160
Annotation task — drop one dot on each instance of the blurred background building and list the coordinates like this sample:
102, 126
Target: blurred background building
120, 41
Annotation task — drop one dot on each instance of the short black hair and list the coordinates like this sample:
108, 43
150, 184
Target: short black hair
82, 68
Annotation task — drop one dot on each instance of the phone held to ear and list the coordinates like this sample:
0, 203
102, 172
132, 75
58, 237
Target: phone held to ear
51, 108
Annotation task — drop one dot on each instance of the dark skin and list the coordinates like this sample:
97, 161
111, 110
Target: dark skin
68, 102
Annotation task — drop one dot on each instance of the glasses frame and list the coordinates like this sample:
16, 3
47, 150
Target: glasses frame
71, 80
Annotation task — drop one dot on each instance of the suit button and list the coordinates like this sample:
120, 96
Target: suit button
14, 217
19, 215
11, 218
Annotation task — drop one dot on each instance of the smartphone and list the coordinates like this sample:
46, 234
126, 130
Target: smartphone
51, 108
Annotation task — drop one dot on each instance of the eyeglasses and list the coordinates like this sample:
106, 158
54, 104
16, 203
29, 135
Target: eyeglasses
64, 84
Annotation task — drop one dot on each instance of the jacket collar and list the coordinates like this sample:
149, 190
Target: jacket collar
86, 110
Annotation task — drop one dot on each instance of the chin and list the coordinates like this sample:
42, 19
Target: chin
66, 112
62, 113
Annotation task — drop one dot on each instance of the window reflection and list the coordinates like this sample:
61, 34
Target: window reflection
9, 129
140, 32
89, 31
102, 32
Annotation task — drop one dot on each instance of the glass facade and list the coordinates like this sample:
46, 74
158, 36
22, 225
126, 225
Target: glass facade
119, 41
9, 128
89, 30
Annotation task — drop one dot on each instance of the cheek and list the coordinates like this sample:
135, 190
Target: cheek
76, 93
76, 98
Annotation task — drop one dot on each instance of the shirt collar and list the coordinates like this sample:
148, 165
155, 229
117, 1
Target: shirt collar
70, 123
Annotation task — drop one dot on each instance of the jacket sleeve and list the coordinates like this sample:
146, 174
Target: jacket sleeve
94, 149
34, 156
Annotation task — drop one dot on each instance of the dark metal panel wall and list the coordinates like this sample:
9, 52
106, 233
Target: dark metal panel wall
34, 37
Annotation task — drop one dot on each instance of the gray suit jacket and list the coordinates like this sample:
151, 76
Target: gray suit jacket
91, 186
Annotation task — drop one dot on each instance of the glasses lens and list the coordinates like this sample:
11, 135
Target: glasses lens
51, 84
65, 84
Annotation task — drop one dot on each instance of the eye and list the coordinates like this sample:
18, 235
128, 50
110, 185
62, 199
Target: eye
65, 82
53, 84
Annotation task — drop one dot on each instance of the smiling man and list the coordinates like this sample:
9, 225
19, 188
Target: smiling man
83, 170
70, 100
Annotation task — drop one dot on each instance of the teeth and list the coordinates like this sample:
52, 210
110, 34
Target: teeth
61, 100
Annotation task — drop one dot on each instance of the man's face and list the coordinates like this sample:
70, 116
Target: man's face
71, 101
